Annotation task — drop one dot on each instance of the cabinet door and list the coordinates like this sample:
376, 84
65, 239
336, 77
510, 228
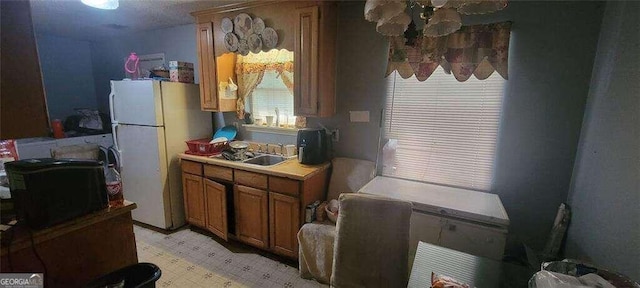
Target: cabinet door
23, 107
207, 61
192, 187
215, 199
251, 216
284, 222
306, 59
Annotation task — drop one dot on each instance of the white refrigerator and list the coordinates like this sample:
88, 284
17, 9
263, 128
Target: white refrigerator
151, 120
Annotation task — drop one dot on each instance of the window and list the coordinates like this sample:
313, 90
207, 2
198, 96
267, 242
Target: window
269, 78
270, 94
441, 130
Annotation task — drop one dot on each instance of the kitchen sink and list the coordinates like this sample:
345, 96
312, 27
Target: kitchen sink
265, 160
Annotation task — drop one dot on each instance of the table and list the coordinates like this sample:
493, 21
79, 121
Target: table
476, 271
76, 251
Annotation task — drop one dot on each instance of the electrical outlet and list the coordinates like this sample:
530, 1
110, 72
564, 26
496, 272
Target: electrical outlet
335, 135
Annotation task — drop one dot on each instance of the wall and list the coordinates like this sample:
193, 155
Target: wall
362, 63
177, 43
359, 86
605, 190
67, 73
551, 55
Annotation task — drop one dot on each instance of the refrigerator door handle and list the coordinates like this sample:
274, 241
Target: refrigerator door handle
111, 105
114, 132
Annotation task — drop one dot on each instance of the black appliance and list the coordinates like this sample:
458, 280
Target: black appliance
48, 191
312, 146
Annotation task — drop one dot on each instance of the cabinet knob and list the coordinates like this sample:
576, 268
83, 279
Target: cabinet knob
452, 227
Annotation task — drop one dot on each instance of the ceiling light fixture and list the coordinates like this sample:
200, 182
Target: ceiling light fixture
442, 17
101, 4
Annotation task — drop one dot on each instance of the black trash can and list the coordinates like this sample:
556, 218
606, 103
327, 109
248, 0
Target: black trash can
141, 275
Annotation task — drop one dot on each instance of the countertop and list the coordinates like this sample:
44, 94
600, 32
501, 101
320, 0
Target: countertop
22, 238
289, 168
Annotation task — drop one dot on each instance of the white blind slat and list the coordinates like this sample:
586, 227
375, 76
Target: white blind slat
445, 130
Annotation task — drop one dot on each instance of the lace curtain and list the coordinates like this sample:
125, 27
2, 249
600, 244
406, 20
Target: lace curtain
250, 70
473, 50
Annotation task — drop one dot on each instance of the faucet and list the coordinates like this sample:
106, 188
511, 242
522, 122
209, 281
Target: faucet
267, 152
259, 148
281, 149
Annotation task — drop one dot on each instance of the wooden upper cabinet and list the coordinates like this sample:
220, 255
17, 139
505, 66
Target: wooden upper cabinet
23, 108
192, 189
207, 64
251, 207
310, 34
314, 60
306, 61
215, 198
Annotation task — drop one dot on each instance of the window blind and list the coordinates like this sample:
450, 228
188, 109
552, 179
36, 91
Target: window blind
271, 93
444, 131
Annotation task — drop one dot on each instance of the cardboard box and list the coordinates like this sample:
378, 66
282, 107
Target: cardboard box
181, 72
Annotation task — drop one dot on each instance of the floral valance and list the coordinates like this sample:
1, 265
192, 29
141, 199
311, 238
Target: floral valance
242, 68
473, 50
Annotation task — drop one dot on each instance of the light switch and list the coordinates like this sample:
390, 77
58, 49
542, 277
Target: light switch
359, 116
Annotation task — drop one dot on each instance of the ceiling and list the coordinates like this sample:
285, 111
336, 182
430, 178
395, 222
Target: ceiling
71, 18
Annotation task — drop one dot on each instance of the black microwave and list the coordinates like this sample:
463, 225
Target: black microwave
51, 191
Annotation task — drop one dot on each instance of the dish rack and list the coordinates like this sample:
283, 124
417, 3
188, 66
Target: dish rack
202, 147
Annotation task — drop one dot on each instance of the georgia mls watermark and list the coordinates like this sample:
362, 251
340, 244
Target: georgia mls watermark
21, 280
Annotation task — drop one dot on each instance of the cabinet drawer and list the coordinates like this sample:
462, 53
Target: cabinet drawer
218, 172
191, 167
251, 179
284, 185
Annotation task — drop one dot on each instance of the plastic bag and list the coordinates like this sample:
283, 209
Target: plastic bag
578, 269
389, 157
90, 119
547, 279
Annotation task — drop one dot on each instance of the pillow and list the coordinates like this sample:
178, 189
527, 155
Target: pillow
349, 175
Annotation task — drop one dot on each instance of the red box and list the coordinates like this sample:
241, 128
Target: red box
202, 147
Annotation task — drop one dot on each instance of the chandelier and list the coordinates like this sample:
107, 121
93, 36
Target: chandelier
442, 17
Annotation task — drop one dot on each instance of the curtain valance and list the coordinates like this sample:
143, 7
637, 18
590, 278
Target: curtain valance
242, 68
473, 50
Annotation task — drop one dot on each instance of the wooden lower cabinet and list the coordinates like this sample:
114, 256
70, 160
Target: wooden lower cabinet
261, 210
215, 198
251, 216
284, 222
194, 202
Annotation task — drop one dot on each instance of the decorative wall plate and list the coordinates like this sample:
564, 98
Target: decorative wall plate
258, 26
231, 42
243, 47
255, 43
226, 25
269, 38
243, 25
